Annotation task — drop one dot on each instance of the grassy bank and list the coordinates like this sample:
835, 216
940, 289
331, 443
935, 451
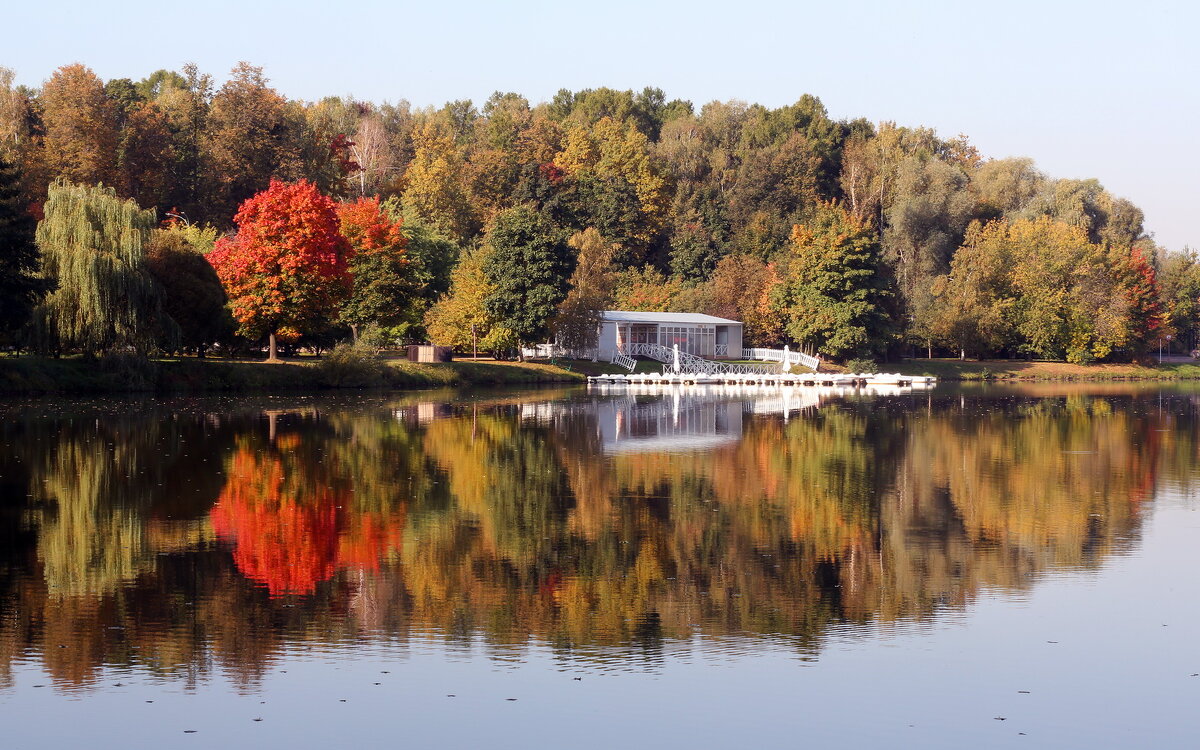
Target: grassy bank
33, 375
954, 369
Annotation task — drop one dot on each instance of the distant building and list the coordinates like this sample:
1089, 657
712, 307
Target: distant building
703, 335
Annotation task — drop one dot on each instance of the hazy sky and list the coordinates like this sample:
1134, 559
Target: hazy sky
1088, 89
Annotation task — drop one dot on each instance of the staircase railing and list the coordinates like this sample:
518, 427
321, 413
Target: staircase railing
690, 363
783, 357
623, 360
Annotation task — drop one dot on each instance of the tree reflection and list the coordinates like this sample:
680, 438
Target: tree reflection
217, 538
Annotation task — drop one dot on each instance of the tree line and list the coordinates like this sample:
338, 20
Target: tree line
509, 223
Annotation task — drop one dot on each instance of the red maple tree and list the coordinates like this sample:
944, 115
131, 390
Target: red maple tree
285, 270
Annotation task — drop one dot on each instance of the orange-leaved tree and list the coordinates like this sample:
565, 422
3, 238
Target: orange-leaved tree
285, 269
385, 284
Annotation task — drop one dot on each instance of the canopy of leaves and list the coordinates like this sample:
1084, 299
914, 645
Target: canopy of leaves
835, 292
93, 249
528, 267
192, 293
286, 267
20, 285
384, 288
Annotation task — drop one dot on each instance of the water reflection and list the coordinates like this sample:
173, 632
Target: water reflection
183, 537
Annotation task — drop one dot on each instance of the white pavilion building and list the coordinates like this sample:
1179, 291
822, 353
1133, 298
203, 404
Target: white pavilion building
705, 336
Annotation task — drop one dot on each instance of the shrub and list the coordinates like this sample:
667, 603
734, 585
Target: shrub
862, 365
354, 365
129, 371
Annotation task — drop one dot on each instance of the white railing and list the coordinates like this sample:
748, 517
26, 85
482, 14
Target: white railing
624, 361
690, 363
779, 355
721, 350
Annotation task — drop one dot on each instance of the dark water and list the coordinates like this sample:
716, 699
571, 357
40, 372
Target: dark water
989, 567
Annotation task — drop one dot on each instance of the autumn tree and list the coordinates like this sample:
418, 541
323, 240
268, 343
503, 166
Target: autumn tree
1037, 286
529, 268
1146, 321
435, 191
461, 318
20, 285
384, 284
577, 321
285, 271
245, 138
80, 122
835, 293
93, 247
1179, 284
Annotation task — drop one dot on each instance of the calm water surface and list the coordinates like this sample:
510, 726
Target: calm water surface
959, 567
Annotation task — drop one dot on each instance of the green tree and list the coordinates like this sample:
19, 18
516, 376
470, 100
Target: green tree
835, 292
529, 268
93, 247
384, 287
20, 285
192, 293
930, 209
461, 319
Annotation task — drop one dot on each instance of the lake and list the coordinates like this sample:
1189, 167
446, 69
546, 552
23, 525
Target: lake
964, 566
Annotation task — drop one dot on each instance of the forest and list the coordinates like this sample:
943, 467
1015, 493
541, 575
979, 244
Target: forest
173, 215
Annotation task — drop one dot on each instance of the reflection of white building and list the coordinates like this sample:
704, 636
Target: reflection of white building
668, 423
703, 335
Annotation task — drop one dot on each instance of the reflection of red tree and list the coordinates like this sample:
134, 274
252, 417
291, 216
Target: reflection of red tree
291, 533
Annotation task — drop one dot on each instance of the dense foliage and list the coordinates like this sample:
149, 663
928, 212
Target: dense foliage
285, 269
93, 247
697, 207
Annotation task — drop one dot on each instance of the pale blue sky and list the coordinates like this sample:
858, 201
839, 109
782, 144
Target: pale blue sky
1088, 89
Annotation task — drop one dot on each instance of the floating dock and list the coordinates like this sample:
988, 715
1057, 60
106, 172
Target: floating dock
809, 379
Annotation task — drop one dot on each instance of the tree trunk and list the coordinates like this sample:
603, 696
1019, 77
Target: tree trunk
272, 349
354, 332
962, 354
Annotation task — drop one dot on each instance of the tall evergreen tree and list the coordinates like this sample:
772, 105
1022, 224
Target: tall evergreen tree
835, 291
529, 267
20, 286
93, 247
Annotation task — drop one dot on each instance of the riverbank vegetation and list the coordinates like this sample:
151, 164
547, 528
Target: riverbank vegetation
229, 219
118, 374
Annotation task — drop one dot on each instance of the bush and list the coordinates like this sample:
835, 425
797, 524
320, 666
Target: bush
354, 365
129, 371
862, 365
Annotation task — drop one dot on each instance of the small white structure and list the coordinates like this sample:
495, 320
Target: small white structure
705, 336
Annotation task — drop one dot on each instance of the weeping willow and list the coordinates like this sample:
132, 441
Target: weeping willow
92, 245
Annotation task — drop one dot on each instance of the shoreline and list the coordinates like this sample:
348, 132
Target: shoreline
34, 375
1037, 371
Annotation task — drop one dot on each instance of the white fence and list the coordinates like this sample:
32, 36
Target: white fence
690, 363
783, 356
